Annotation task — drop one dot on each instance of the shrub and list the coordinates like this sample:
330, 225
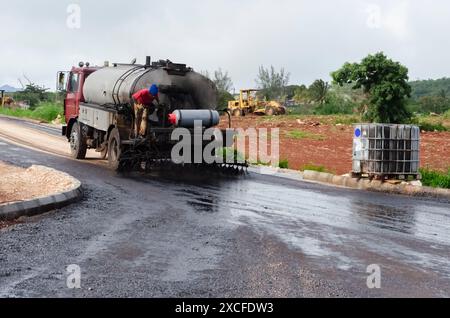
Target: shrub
44, 111
347, 120
447, 114
312, 167
435, 179
284, 164
428, 123
230, 155
47, 111
427, 126
299, 134
335, 104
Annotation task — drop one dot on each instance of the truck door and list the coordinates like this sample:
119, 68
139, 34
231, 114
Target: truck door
72, 98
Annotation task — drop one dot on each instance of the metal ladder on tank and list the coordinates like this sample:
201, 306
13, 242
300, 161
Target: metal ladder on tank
120, 81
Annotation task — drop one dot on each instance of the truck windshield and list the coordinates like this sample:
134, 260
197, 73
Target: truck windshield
74, 82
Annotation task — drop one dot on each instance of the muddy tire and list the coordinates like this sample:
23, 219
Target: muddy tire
282, 111
237, 113
114, 150
270, 111
104, 153
78, 146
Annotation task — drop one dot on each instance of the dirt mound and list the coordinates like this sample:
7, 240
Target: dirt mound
19, 184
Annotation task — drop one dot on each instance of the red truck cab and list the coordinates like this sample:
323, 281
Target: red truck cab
71, 83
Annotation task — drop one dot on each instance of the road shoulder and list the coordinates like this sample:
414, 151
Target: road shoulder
353, 183
20, 198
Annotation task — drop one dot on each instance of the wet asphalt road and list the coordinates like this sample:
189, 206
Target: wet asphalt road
206, 236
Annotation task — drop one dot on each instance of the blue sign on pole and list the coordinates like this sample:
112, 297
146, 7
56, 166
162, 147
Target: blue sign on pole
358, 132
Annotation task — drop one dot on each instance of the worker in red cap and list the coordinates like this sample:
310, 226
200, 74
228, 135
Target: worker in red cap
143, 106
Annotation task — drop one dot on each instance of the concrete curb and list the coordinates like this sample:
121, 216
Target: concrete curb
351, 183
375, 185
12, 211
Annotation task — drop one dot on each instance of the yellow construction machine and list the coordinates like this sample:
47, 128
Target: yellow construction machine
5, 100
249, 103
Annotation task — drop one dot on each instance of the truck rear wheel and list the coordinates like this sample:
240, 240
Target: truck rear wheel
114, 149
78, 146
104, 153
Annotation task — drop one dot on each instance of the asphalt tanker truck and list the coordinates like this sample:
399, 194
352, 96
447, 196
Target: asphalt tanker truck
98, 109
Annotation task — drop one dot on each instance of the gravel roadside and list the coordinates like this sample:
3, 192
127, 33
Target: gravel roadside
19, 184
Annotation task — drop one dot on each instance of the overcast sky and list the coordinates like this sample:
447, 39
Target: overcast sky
308, 38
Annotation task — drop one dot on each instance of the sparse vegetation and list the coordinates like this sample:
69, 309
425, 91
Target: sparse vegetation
335, 104
447, 114
347, 119
284, 164
435, 179
429, 123
313, 167
230, 155
44, 111
299, 134
427, 126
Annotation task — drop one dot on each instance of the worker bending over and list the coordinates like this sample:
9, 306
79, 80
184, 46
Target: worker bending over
143, 106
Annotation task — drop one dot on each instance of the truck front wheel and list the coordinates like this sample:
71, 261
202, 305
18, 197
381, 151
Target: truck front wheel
114, 149
78, 146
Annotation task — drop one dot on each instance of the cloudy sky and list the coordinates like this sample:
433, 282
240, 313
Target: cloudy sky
308, 38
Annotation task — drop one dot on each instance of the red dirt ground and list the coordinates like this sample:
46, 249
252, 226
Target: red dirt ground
331, 145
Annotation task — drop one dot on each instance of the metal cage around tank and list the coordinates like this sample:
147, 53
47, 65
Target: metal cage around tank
386, 151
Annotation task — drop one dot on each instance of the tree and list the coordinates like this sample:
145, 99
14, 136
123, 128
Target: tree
224, 85
434, 104
386, 84
223, 81
272, 83
318, 91
33, 94
438, 87
302, 95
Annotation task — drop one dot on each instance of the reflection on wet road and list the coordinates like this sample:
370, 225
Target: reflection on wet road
334, 226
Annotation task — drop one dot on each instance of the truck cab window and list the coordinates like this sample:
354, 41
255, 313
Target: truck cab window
74, 82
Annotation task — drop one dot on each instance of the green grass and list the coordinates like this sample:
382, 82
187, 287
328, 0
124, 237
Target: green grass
435, 179
230, 155
426, 126
347, 119
284, 164
301, 110
432, 123
46, 112
300, 134
447, 114
261, 163
313, 167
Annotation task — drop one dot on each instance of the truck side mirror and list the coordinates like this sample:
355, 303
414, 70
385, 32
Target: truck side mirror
61, 81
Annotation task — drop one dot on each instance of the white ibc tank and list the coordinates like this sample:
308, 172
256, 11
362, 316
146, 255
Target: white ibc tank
386, 150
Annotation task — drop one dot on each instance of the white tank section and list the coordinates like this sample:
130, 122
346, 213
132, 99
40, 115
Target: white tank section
178, 89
